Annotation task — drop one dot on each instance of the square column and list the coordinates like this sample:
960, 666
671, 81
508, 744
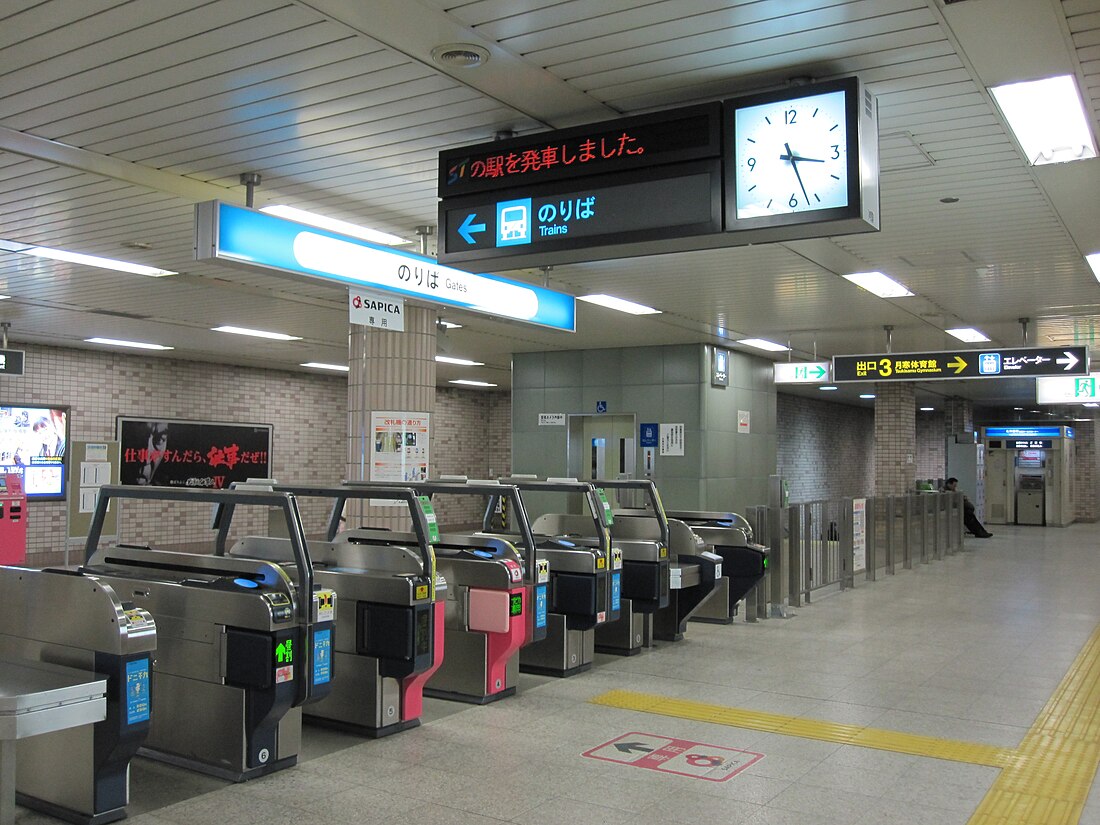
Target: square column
895, 438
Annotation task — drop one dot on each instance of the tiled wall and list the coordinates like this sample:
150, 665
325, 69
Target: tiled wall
931, 441
472, 436
1085, 470
895, 438
825, 450
308, 412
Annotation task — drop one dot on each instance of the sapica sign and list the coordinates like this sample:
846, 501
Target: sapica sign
369, 309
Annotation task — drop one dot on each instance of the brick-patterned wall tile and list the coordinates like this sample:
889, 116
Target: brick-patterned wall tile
825, 450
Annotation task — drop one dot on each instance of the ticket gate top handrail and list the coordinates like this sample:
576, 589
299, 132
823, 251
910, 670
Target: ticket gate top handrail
341, 494
595, 506
284, 501
654, 497
721, 519
457, 486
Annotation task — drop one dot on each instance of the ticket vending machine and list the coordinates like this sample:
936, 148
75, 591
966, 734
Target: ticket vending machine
1029, 475
13, 520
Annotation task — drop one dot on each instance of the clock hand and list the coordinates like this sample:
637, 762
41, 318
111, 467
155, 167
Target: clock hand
794, 165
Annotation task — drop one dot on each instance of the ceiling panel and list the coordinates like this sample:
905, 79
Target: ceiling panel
347, 120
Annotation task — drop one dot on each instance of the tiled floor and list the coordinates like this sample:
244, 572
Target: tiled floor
969, 648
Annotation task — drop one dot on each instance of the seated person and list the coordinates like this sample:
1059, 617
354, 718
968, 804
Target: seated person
969, 519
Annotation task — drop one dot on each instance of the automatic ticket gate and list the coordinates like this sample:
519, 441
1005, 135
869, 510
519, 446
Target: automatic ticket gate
240, 641
585, 588
64, 618
744, 563
695, 571
388, 638
639, 569
493, 597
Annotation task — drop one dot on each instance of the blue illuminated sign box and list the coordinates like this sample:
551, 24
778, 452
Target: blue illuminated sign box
1025, 432
254, 239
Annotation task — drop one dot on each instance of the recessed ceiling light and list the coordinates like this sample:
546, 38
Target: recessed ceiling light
1094, 262
1047, 119
967, 334
1090, 404
880, 284
828, 389
620, 304
449, 324
472, 383
5, 297
927, 409
867, 395
115, 342
462, 362
85, 260
760, 343
343, 227
257, 333
317, 365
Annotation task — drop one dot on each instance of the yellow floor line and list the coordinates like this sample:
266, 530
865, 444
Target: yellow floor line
1045, 781
865, 737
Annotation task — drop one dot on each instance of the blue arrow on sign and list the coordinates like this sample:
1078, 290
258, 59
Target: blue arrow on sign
468, 228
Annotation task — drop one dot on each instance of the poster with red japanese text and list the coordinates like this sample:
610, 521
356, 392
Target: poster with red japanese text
400, 449
168, 453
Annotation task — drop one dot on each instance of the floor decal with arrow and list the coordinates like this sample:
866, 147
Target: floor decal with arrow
713, 763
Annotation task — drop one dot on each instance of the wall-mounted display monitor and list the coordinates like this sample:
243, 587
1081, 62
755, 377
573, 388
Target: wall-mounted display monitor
33, 442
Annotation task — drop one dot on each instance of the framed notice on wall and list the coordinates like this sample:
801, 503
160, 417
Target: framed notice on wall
164, 452
400, 449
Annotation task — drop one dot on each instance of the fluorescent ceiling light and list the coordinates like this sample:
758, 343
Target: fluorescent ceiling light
257, 333
91, 260
472, 383
620, 304
462, 362
970, 336
927, 409
1047, 118
828, 389
760, 343
881, 285
5, 297
1094, 262
1090, 404
867, 395
114, 342
449, 324
343, 227
317, 365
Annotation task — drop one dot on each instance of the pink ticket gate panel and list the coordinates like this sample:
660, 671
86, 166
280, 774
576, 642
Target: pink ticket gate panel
13, 520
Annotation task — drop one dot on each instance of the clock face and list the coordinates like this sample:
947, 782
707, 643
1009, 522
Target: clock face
791, 156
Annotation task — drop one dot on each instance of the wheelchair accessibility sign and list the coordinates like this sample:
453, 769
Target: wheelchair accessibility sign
713, 763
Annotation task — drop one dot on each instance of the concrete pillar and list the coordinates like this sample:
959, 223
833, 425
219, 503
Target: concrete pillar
895, 438
389, 371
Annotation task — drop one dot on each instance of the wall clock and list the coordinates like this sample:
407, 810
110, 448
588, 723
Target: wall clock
802, 162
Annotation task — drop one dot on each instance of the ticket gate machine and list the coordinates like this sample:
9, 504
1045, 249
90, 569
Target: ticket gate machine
240, 641
585, 572
493, 592
744, 563
639, 569
695, 571
389, 633
62, 617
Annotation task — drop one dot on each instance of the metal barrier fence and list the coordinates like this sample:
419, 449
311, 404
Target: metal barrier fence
835, 542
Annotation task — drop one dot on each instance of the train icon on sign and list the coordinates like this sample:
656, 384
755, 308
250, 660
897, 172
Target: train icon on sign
514, 222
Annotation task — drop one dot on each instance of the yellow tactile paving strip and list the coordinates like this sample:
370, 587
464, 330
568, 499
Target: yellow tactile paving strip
1045, 781
886, 740
1049, 784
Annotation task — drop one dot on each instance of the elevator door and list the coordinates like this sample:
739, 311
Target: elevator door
602, 446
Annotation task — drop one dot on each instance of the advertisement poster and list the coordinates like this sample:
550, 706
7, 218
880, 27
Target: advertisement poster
400, 450
171, 453
859, 535
33, 443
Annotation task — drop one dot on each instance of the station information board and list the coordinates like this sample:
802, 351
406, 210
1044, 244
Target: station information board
608, 209
1024, 362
